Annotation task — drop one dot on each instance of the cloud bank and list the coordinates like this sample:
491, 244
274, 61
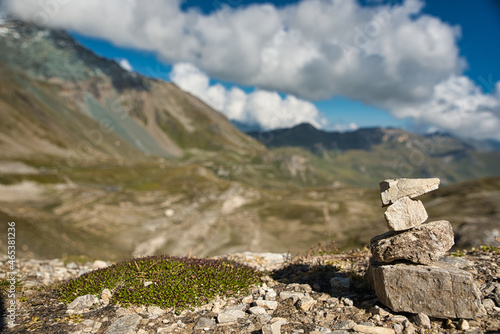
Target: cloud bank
389, 56
263, 109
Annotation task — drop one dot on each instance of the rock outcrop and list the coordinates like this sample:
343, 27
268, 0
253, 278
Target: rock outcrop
405, 270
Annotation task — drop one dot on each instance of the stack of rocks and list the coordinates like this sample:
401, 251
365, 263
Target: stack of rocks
406, 271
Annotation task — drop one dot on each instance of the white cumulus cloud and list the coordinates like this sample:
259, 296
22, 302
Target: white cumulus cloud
267, 110
390, 56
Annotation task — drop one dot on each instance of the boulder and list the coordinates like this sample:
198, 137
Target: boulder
440, 291
393, 189
404, 214
423, 244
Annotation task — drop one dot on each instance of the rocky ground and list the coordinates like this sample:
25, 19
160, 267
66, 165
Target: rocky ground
308, 294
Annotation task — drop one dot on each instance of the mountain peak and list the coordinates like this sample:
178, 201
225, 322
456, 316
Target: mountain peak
52, 53
79, 101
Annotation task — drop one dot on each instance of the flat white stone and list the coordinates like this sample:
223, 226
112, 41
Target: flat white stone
393, 189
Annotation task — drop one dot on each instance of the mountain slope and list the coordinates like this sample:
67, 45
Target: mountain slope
364, 156
48, 76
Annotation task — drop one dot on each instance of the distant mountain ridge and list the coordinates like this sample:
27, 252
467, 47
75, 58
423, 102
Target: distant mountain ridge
309, 137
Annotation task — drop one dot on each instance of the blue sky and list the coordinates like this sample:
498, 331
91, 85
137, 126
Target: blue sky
339, 65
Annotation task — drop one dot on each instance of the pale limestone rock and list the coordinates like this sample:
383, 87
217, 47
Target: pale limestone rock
404, 214
204, 324
422, 320
124, 325
423, 244
274, 326
373, 329
440, 291
306, 303
230, 316
267, 304
81, 303
394, 189
256, 310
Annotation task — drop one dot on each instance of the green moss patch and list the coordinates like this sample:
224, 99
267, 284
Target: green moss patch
165, 281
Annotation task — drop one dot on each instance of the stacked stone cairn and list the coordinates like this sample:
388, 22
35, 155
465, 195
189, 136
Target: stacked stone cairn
408, 271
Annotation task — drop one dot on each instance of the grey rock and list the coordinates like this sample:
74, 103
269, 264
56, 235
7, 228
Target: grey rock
373, 329
423, 244
408, 328
291, 294
347, 324
306, 303
347, 302
404, 214
230, 316
488, 303
274, 326
394, 189
271, 295
257, 310
124, 325
247, 300
422, 320
239, 307
86, 326
267, 304
440, 291
463, 325
264, 318
398, 318
155, 311
203, 323
83, 302
106, 295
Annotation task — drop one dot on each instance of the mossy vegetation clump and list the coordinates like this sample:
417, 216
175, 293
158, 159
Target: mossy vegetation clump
165, 281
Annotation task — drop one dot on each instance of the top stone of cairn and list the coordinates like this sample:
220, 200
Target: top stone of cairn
393, 189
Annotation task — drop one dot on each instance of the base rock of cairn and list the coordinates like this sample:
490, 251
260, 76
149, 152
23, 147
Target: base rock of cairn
440, 290
405, 270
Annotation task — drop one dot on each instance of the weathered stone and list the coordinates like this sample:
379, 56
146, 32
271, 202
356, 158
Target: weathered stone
230, 316
422, 320
291, 294
270, 295
373, 329
394, 189
306, 303
155, 312
423, 244
347, 324
83, 302
463, 325
274, 326
204, 323
440, 291
124, 325
257, 310
404, 214
267, 304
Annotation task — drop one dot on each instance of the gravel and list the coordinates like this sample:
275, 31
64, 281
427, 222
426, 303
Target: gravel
300, 295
